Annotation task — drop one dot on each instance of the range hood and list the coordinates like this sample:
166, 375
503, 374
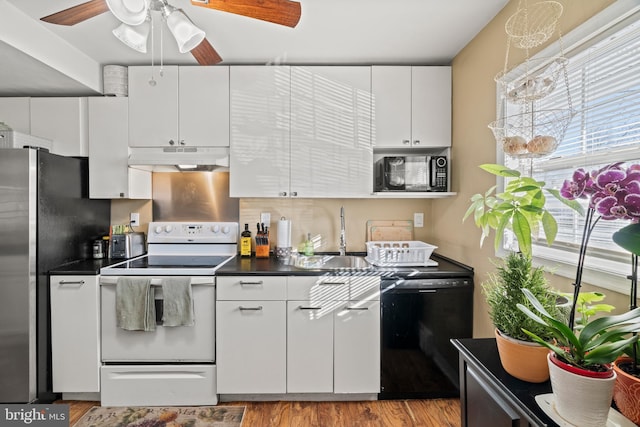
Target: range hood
179, 159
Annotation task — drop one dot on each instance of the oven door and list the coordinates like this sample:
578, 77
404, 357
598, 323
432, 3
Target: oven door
166, 344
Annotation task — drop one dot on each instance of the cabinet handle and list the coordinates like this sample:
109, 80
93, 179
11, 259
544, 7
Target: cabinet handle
171, 142
182, 142
406, 142
332, 283
356, 308
242, 283
427, 291
294, 193
416, 142
283, 193
73, 282
309, 308
258, 308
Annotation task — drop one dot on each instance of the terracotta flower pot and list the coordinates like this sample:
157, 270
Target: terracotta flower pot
524, 360
626, 392
582, 400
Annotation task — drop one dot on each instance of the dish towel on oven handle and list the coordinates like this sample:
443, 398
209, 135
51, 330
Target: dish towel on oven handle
177, 306
135, 304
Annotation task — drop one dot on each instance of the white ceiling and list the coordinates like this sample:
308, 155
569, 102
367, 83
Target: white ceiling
41, 59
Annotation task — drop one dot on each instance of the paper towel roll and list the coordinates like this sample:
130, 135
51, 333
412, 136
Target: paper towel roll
284, 233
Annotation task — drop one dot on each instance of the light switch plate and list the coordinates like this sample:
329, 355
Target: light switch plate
418, 219
265, 218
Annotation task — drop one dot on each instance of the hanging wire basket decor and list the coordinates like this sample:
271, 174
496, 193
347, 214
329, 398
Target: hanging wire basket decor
541, 76
532, 134
531, 26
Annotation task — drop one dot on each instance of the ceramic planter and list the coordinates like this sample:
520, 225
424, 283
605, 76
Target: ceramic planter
626, 392
524, 360
582, 400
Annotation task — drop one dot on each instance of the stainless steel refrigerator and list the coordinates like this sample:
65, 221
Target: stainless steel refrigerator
46, 220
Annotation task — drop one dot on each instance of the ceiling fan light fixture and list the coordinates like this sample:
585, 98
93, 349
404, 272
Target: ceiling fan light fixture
187, 35
131, 12
134, 36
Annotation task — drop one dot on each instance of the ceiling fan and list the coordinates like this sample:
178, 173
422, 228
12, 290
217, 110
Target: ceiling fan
135, 17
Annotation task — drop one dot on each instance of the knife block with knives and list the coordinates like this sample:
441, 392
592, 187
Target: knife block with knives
262, 241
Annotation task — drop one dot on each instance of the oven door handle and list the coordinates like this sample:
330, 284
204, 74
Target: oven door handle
196, 280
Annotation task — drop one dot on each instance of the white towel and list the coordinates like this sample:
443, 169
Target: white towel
135, 305
177, 308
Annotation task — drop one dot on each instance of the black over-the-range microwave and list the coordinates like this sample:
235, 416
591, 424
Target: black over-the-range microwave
412, 173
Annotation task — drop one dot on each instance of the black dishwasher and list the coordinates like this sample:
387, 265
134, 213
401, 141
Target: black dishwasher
419, 317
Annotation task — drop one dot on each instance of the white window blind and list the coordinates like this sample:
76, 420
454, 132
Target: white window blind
603, 77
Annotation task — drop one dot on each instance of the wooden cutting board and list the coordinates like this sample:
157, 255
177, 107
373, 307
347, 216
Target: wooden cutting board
389, 230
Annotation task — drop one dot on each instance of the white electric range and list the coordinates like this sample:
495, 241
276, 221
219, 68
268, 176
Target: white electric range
171, 365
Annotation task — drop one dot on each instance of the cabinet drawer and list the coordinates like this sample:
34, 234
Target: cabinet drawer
317, 288
251, 288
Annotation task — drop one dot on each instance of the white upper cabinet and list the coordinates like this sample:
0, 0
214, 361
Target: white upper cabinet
411, 106
331, 151
259, 148
185, 106
14, 112
64, 122
110, 176
300, 132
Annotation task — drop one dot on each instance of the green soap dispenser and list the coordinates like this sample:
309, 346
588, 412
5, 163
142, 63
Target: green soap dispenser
308, 246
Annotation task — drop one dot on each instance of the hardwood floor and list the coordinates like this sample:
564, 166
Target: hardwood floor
382, 413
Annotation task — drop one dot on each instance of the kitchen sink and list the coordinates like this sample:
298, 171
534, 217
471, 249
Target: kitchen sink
329, 262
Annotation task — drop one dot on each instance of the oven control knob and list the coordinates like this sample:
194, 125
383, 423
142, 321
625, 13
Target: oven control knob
168, 228
226, 229
215, 228
158, 229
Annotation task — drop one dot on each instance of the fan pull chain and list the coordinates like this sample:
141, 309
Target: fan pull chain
161, 50
152, 81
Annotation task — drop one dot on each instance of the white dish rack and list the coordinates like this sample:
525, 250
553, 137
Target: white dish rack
400, 254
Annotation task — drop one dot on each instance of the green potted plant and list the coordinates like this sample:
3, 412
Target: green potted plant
519, 356
520, 208
626, 392
582, 378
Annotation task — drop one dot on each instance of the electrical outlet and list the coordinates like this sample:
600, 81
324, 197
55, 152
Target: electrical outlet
265, 218
134, 219
418, 219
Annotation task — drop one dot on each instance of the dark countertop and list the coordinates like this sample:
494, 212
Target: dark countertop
483, 355
447, 268
84, 267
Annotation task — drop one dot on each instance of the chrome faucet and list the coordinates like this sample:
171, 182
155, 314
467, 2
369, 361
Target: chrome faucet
343, 235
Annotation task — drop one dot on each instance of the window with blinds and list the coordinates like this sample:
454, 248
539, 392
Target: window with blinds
603, 79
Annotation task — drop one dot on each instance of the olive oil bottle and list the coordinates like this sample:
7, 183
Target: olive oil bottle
245, 242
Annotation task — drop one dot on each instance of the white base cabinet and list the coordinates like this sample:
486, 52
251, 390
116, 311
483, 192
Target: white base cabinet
298, 334
75, 333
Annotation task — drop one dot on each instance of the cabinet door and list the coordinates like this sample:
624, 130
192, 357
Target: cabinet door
357, 347
431, 106
109, 174
203, 94
153, 108
259, 149
310, 346
64, 121
331, 151
75, 333
251, 346
485, 408
14, 112
391, 104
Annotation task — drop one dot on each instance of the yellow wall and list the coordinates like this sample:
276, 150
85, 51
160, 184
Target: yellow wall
474, 107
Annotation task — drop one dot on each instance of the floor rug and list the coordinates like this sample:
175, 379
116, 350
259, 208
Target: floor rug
171, 416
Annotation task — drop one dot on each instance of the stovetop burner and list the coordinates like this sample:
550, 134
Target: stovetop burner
173, 261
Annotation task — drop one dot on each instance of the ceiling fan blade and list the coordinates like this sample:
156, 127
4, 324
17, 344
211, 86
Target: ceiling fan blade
283, 12
205, 54
77, 14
